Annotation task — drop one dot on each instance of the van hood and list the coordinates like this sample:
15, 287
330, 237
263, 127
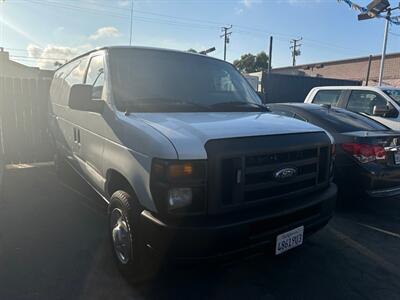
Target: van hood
189, 132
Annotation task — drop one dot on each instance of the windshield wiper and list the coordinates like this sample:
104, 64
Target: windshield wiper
141, 102
238, 104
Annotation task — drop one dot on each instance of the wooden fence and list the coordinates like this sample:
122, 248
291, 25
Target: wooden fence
23, 120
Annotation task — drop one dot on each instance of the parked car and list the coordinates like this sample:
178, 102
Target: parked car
380, 103
190, 162
367, 152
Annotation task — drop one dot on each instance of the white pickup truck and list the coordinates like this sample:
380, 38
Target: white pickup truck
190, 162
379, 103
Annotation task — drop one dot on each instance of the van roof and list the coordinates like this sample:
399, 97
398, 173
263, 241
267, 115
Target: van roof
140, 48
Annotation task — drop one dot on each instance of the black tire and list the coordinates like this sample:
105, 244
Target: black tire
135, 264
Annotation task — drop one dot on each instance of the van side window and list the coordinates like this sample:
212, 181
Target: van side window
95, 76
364, 102
76, 74
68, 75
327, 97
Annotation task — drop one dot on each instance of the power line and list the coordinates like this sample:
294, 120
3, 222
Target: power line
174, 21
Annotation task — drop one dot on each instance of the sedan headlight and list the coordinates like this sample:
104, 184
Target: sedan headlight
178, 187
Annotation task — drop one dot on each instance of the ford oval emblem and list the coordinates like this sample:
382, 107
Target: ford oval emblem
285, 173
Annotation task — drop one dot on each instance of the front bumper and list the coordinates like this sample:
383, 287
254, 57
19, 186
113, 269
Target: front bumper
222, 236
384, 193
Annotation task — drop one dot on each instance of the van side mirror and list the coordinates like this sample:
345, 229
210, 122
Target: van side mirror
380, 110
80, 98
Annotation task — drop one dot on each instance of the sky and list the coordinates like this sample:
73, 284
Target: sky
41, 32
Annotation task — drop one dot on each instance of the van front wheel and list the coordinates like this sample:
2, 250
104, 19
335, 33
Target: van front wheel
127, 246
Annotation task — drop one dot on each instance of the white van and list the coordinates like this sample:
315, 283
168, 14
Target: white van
2, 162
190, 162
379, 103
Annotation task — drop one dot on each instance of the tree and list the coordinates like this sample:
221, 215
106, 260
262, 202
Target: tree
192, 50
249, 63
262, 62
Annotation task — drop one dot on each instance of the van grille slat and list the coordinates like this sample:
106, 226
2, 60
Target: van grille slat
271, 184
272, 167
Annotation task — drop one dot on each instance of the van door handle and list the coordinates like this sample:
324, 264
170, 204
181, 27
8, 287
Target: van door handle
77, 136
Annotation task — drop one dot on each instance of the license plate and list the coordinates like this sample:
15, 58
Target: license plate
397, 158
289, 240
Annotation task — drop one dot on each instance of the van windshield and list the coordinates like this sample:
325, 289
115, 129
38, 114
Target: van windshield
146, 80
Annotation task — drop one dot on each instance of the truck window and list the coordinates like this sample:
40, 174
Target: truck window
327, 97
95, 76
394, 94
364, 101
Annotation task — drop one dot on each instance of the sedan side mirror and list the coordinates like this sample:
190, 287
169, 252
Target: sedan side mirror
80, 98
380, 110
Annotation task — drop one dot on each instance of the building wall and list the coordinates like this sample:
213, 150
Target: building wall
352, 69
9, 68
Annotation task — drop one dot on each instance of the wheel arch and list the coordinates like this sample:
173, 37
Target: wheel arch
116, 181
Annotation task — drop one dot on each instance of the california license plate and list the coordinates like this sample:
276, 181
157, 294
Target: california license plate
397, 157
289, 240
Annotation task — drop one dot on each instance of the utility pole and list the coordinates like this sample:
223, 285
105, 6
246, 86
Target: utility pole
271, 39
226, 37
295, 51
2, 42
368, 70
131, 24
385, 36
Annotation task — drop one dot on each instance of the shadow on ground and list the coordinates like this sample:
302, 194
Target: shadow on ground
53, 245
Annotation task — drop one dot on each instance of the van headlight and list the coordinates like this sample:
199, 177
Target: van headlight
179, 198
178, 187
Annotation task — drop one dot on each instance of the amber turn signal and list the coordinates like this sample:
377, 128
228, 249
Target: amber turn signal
180, 170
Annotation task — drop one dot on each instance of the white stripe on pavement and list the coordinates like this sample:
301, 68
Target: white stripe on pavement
380, 230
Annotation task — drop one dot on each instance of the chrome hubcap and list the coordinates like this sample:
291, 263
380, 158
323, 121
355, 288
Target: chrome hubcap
120, 235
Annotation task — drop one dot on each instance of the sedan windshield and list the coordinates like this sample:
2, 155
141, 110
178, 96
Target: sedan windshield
146, 80
394, 94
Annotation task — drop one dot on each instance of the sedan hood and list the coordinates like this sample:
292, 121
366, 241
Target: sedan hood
189, 132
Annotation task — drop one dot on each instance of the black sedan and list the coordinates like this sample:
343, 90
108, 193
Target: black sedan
367, 152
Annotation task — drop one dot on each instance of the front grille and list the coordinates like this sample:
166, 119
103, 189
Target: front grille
260, 182
247, 177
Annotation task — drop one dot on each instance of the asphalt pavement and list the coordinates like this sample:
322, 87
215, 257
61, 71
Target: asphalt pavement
53, 245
